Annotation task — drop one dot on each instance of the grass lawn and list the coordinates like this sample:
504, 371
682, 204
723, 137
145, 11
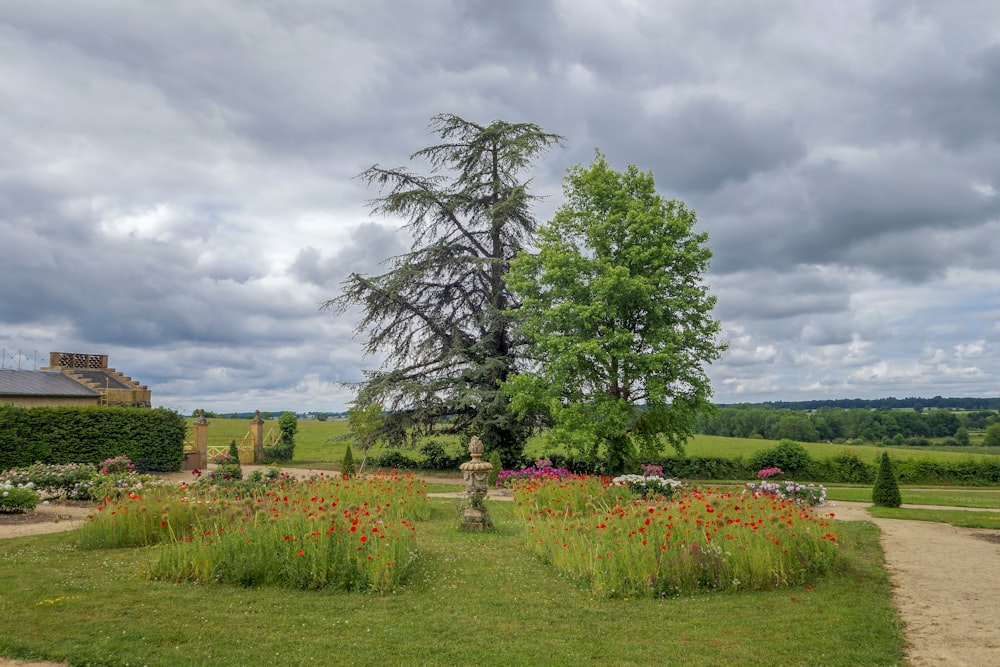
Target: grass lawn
953, 497
318, 444
959, 518
471, 598
714, 445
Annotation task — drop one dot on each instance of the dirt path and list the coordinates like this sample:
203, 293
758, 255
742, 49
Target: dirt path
944, 579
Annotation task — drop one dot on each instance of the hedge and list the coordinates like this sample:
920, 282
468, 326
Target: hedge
846, 468
153, 439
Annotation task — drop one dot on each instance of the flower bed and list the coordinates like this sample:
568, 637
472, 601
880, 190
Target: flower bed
705, 539
542, 469
806, 495
322, 532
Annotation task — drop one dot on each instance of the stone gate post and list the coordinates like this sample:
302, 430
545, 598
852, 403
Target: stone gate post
257, 435
201, 440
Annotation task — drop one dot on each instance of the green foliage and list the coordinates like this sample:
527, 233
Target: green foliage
438, 316
288, 425
618, 319
234, 451
829, 422
227, 472
436, 457
491, 480
992, 437
347, 464
154, 439
18, 499
788, 455
366, 424
886, 490
72, 481
396, 460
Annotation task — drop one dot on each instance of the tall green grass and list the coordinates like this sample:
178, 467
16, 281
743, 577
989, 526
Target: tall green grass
321, 532
707, 539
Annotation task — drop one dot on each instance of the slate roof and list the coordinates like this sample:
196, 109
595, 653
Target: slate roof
40, 383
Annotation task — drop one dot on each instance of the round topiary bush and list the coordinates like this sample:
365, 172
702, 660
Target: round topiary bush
886, 491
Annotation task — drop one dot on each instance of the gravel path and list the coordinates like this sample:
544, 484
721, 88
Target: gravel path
945, 586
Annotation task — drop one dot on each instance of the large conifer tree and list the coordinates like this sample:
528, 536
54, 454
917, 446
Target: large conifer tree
441, 314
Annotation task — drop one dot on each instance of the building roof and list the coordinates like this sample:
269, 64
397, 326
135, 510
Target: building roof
102, 379
40, 383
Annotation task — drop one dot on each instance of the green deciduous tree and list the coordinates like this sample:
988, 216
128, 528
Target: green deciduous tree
441, 314
618, 317
992, 436
366, 426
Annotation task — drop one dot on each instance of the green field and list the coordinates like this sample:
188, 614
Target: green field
714, 445
321, 444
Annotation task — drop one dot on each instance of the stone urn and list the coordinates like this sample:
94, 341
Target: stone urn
475, 473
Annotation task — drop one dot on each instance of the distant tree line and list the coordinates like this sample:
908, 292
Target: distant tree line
268, 415
889, 403
836, 424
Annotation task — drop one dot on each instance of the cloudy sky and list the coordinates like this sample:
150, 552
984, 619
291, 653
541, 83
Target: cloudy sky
177, 191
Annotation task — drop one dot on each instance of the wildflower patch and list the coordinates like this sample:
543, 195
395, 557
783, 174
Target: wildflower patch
704, 539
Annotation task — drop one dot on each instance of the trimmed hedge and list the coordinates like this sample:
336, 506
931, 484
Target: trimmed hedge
845, 468
153, 439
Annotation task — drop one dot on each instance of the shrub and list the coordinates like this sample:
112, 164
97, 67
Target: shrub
435, 456
393, 458
224, 459
226, 472
288, 424
491, 480
18, 499
234, 451
72, 480
886, 490
119, 464
788, 455
541, 470
803, 495
347, 464
277, 453
649, 486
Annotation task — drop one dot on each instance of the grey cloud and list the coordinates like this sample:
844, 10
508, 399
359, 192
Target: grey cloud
370, 244
176, 186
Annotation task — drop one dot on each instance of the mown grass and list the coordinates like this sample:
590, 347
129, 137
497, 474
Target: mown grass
953, 497
471, 597
714, 445
959, 518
